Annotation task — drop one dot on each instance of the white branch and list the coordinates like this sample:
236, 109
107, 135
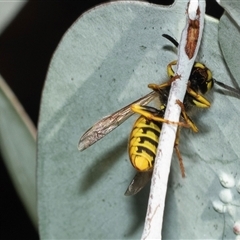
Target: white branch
188, 48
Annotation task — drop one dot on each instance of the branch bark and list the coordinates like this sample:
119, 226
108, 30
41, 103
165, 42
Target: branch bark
188, 48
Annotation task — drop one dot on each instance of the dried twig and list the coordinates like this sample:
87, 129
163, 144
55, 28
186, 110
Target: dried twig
188, 48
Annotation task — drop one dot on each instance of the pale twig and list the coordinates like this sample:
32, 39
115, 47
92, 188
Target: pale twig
188, 48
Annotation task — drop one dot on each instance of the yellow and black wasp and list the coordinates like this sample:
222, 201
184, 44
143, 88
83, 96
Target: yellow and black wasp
144, 137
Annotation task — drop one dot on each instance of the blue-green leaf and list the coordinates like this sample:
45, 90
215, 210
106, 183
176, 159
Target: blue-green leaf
103, 63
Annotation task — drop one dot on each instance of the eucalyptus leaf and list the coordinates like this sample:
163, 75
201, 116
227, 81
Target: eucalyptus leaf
104, 62
232, 8
18, 148
229, 35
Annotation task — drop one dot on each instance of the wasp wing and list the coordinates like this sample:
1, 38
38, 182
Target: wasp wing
139, 181
110, 122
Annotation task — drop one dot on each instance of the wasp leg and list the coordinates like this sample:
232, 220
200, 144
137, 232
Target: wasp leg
170, 71
176, 144
172, 76
199, 101
186, 117
157, 87
153, 114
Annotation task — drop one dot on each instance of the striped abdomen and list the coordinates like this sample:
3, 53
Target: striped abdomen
143, 143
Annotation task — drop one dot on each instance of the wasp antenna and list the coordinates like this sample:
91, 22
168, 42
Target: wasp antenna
171, 39
231, 89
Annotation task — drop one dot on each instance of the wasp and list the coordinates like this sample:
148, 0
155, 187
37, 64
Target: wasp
144, 137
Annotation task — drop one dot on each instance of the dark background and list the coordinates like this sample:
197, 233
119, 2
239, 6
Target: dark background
26, 47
